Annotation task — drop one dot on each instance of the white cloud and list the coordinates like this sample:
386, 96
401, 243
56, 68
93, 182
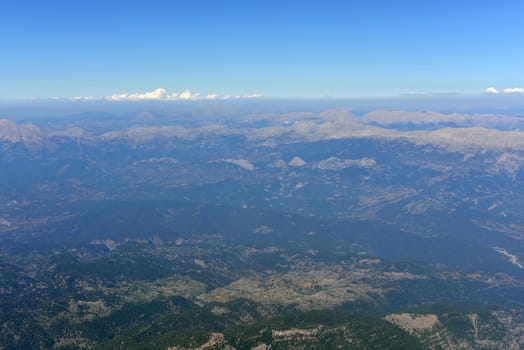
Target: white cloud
187, 95
492, 91
158, 94
81, 98
514, 91
249, 96
162, 94
238, 97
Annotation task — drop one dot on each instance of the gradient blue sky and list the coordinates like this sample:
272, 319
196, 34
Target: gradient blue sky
285, 49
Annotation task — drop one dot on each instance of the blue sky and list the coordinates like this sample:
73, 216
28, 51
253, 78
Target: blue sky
283, 49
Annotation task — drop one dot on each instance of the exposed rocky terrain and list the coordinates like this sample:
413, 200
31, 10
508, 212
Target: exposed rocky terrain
389, 229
